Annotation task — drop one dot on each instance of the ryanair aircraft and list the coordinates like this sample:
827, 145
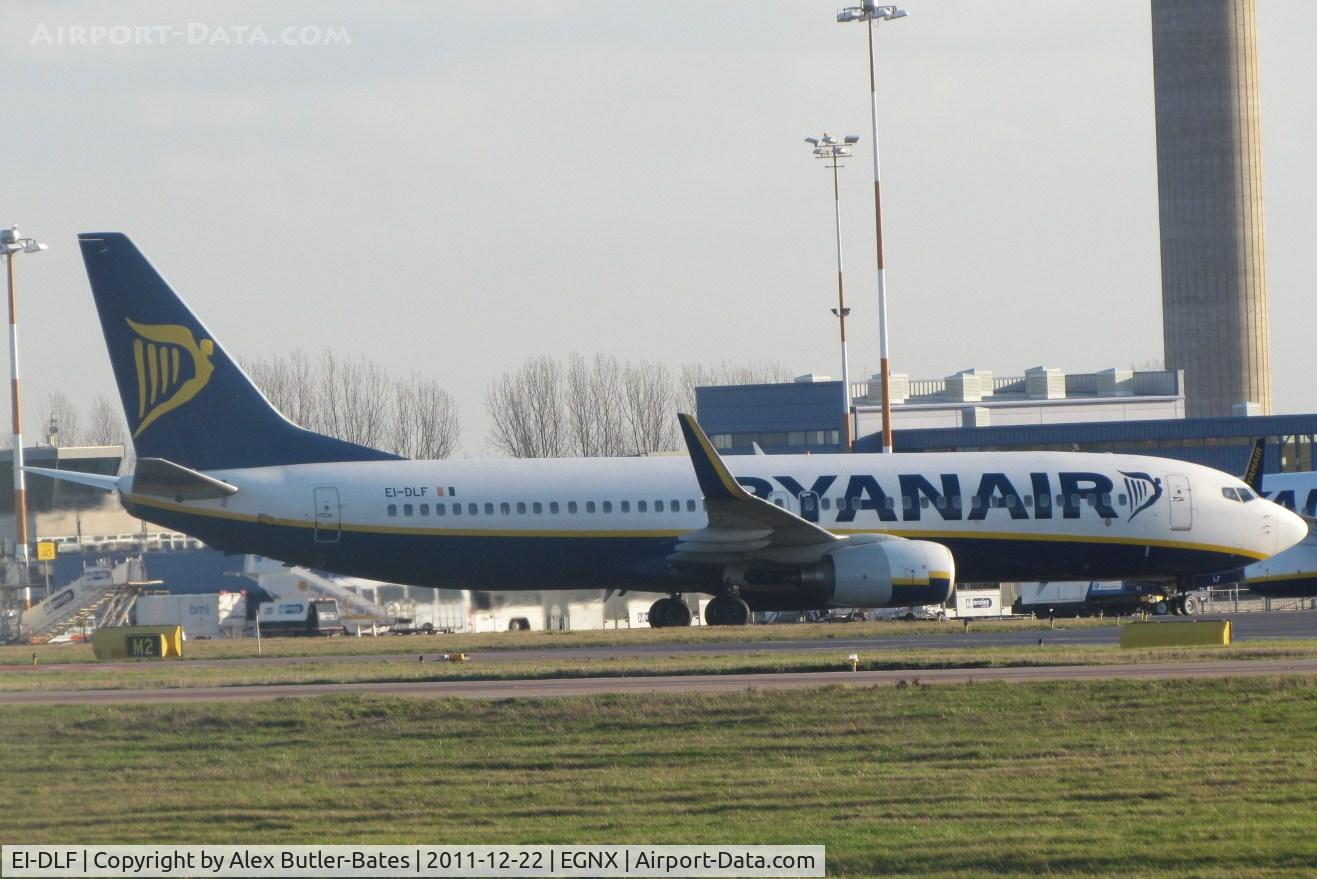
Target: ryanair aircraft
757, 532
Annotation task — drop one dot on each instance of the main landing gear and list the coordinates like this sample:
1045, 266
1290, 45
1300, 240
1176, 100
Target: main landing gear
727, 610
669, 612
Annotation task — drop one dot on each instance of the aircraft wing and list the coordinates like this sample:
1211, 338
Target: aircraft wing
741, 524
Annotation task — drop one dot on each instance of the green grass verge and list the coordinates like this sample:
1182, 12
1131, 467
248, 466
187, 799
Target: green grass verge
1132, 779
246, 647
182, 674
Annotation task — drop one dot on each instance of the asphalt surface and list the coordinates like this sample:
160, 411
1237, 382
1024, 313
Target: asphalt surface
672, 684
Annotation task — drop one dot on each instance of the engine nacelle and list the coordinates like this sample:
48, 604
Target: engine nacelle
890, 573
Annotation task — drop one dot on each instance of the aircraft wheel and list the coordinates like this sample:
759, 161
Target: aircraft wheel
668, 612
680, 614
727, 610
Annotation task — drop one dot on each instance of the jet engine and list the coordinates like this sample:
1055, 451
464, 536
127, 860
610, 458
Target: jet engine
889, 573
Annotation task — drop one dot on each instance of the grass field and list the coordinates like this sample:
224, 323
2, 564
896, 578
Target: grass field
1130, 779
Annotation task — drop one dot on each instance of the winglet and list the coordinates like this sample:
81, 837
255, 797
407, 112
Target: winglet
715, 479
1253, 472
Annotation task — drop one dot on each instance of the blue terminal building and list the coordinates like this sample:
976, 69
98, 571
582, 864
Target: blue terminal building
1113, 410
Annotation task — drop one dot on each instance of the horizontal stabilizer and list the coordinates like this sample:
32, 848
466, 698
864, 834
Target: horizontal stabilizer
156, 476
95, 480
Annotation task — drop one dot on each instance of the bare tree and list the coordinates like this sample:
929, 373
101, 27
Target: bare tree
527, 411
425, 421
605, 401
105, 426
356, 400
650, 407
62, 420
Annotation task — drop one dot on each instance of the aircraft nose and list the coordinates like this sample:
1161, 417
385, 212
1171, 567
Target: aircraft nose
1291, 529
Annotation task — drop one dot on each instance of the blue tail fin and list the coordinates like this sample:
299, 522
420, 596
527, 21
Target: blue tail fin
186, 400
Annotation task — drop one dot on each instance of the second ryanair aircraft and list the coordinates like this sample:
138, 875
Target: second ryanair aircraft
216, 460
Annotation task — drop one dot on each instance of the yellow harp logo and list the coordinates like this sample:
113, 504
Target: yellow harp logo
172, 367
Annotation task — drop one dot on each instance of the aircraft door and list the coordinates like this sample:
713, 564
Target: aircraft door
1182, 511
809, 506
326, 515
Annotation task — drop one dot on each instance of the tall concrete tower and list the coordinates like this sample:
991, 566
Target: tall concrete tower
1209, 181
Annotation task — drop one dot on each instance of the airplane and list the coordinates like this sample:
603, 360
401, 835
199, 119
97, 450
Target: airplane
1293, 572
762, 532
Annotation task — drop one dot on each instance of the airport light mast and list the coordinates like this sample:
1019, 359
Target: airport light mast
828, 148
12, 244
871, 13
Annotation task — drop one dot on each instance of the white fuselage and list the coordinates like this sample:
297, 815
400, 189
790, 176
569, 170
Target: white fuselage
585, 523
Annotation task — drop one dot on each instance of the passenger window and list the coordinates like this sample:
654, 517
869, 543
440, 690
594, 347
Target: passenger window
640, 507
779, 502
674, 506
489, 509
440, 509
1121, 499
393, 509
826, 503
889, 504
537, 508
690, 506
424, 510
589, 506
626, 506
907, 502
553, 507
472, 509
1106, 499
406, 509
658, 506
1028, 500
608, 507
940, 503
457, 509
521, 508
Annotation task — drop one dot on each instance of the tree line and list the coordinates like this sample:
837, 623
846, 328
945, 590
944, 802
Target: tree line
358, 401
603, 406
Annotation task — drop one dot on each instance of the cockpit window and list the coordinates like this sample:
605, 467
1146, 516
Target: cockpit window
1230, 493
1245, 495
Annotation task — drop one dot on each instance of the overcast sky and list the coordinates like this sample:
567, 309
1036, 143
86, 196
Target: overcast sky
457, 186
